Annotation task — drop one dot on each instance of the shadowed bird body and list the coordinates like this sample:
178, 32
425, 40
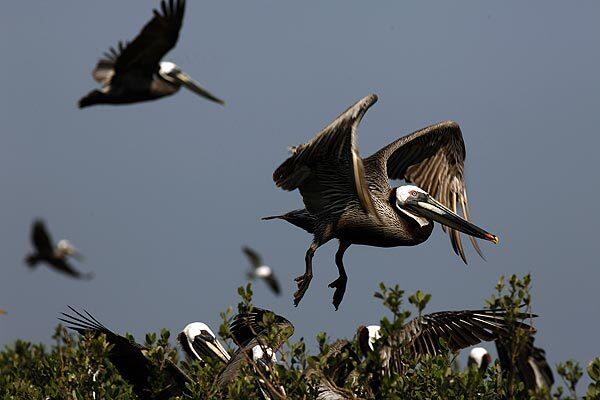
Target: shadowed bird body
350, 199
131, 360
55, 257
133, 72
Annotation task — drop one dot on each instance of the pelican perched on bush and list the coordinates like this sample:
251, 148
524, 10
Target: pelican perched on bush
133, 72
132, 361
350, 199
55, 257
424, 335
199, 341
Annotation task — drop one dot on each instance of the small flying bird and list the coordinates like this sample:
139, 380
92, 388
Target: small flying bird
421, 336
131, 360
134, 72
260, 270
258, 327
55, 257
350, 199
530, 363
199, 341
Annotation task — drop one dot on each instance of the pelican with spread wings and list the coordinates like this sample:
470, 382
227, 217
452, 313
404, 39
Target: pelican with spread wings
133, 72
350, 199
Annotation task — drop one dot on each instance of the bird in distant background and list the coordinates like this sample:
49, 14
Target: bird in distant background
134, 72
261, 271
55, 257
350, 199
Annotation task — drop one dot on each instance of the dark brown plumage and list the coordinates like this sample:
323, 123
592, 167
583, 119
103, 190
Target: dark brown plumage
47, 252
530, 364
131, 361
258, 327
133, 72
350, 199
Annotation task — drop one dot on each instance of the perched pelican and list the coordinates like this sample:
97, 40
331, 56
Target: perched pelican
530, 364
131, 360
199, 341
479, 357
257, 327
260, 270
350, 199
134, 72
54, 257
264, 359
421, 336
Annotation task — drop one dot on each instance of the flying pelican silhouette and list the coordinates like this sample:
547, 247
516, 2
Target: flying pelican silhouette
350, 199
133, 72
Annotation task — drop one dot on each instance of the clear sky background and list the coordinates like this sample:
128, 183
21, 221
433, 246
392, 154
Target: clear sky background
161, 196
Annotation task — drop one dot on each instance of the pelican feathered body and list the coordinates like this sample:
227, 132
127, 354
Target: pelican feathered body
133, 72
350, 199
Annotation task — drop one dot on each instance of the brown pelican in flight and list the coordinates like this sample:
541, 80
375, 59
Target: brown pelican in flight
421, 336
350, 199
260, 270
55, 257
132, 361
134, 72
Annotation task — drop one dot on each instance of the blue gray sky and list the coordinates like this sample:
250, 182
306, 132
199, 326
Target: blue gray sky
161, 196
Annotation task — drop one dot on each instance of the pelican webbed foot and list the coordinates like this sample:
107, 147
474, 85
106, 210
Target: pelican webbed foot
303, 283
340, 289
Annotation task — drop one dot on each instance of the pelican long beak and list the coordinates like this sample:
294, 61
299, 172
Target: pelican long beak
184, 79
430, 208
213, 346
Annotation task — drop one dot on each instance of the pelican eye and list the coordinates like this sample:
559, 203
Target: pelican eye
413, 193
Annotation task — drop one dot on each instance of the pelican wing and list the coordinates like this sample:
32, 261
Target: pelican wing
273, 283
253, 256
458, 329
433, 158
328, 170
41, 238
156, 39
250, 325
62, 265
105, 68
127, 356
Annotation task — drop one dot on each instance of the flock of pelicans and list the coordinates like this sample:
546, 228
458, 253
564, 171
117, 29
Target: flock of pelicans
346, 197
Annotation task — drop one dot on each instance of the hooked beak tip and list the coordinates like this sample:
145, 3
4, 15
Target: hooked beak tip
492, 238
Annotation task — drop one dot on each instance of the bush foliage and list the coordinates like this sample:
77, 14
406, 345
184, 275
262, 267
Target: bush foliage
78, 368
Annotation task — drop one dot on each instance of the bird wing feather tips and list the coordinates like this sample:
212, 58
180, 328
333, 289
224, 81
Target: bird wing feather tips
432, 158
458, 329
328, 170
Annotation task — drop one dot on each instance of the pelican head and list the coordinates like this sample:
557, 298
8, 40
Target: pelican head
171, 73
367, 336
480, 357
423, 208
64, 248
260, 352
263, 271
200, 339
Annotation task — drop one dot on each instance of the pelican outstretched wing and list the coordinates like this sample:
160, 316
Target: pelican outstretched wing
155, 40
41, 238
328, 170
433, 158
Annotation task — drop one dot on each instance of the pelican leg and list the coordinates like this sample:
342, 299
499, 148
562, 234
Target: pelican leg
303, 281
340, 283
